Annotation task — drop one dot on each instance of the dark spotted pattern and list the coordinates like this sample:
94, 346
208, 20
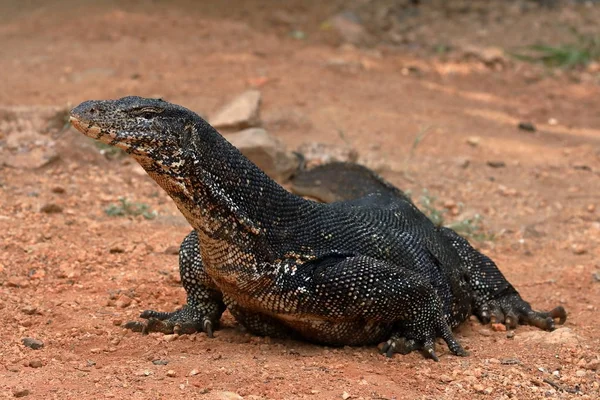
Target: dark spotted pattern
352, 272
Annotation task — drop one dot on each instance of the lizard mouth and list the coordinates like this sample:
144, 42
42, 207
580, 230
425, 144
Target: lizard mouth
93, 131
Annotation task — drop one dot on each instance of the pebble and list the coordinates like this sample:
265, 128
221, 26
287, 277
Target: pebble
479, 388
160, 362
580, 373
496, 164
32, 343
173, 250
29, 310
171, 373
227, 396
35, 363
18, 282
194, 372
346, 395
123, 301
593, 365
527, 126
58, 189
20, 392
170, 338
446, 378
578, 249
510, 334
51, 208
463, 162
473, 141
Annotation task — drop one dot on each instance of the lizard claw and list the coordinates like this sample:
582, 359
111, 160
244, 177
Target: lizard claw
512, 310
402, 345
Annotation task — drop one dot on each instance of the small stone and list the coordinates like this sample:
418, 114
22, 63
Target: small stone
473, 141
527, 126
510, 334
35, 363
172, 250
20, 392
116, 250
123, 301
578, 249
117, 322
496, 164
593, 365
95, 350
479, 388
580, 373
346, 395
17, 282
552, 121
171, 373
170, 338
446, 378
499, 327
194, 372
240, 113
596, 276
58, 189
581, 166
227, 396
32, 343
29, 310
160, 362
51, 208
591, 208
463, 162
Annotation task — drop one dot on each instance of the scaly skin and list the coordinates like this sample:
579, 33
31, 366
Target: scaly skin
348, 273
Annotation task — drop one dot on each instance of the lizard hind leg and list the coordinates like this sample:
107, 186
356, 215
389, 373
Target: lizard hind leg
204, 302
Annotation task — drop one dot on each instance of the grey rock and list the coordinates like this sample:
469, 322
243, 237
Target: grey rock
240, 113
266, 151
32, 343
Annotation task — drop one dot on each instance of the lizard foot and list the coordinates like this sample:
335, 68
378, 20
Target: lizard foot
512, 310
426, 344
183, 321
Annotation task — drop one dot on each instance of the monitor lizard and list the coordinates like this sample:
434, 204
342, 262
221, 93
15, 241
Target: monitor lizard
363, 271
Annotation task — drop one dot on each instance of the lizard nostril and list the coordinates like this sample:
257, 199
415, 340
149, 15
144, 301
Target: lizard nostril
93, 110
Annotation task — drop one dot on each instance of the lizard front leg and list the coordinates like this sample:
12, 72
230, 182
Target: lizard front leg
204, 301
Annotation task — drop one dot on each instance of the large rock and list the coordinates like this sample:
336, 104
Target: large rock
316, 153
348, 26
242, 112
266, 151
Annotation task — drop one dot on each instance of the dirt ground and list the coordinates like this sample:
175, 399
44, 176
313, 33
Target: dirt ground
70, 274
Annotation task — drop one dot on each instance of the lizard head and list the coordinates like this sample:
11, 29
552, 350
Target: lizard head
151, 130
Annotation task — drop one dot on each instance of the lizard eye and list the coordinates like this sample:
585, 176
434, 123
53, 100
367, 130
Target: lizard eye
148, 112
147, 115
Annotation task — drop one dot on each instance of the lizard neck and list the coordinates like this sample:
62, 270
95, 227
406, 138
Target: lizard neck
224, 196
